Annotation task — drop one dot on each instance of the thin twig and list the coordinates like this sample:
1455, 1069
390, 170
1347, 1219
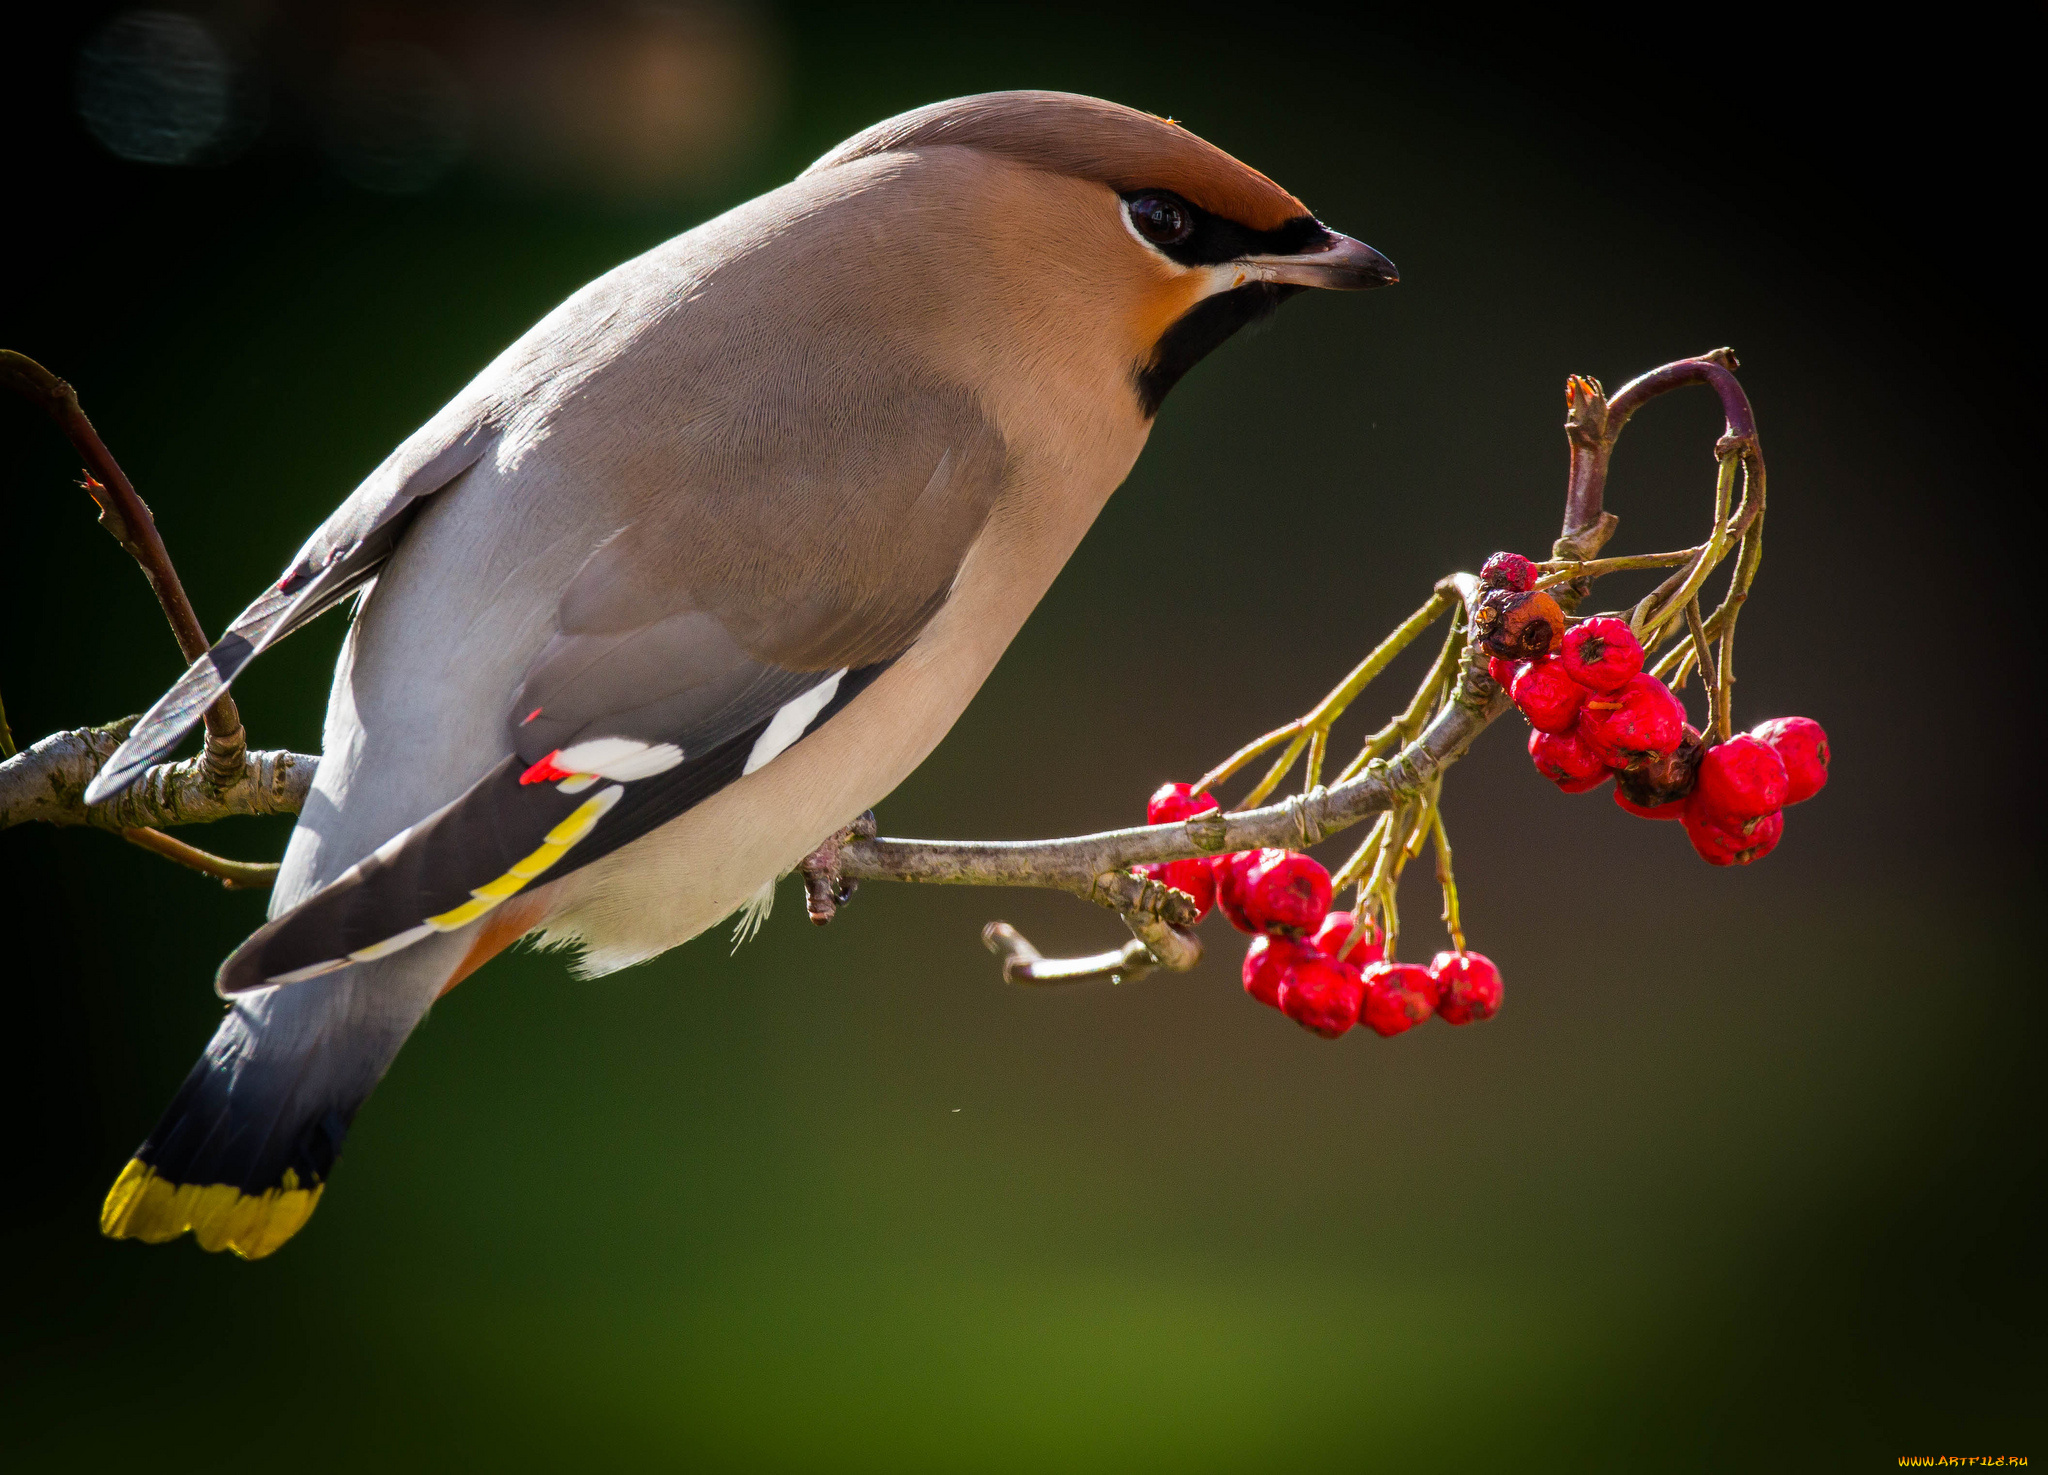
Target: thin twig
1704, 654
128, 518
235, 875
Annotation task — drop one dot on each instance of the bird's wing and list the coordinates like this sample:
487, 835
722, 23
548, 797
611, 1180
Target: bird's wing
652, 695
340, 558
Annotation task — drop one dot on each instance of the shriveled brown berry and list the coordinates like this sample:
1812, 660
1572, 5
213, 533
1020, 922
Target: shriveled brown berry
1517, 625
1398, 996
1803, 746
1548, 696
1656, 787
1321, 994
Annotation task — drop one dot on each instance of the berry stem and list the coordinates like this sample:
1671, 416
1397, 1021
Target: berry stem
1446, 878
1704, 654
1565, 570
1276, 773
1443, 673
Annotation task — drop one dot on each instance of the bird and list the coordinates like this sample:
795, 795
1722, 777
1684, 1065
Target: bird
692, 575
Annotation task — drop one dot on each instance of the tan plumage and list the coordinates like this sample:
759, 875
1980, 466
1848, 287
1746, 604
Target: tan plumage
799, 473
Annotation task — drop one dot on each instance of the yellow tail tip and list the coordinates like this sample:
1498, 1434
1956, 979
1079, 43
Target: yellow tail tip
144, 1206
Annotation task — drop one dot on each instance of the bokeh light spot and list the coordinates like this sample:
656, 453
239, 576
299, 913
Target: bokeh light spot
155, 87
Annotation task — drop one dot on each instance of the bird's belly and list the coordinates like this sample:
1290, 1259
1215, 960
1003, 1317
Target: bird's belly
675, 882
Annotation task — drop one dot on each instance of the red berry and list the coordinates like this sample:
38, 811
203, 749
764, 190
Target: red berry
1740, 779
1669, 809
1171, 802
1564, 759
1601, 654
1196, 877
1803, 746
1468, 987
1398, 996
1639, 720
1509, 571
1321, 994
1266, 963
1348, 940
1231, 872
1286, 892
1724, 842
1502, 671
1548, 697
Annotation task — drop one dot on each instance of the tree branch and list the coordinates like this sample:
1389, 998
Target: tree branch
46, 784
128, 518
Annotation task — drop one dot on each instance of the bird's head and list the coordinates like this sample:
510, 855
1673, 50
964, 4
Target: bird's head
1131, 226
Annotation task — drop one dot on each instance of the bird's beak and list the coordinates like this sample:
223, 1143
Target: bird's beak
1335, 261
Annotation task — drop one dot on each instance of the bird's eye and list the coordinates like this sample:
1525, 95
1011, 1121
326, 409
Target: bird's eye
1161, 220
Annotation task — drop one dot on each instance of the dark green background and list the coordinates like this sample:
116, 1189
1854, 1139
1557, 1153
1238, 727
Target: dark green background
1747, 1174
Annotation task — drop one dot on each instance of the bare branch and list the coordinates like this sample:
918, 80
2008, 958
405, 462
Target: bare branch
128, 518
235, 875
46, 784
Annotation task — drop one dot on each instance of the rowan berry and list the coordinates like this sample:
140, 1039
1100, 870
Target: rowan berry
1502, 671
1321, 994
1740, 779
1509, 571
1803, 746
1662, 809
1196, 877
1468, 987
1398, 996
1344, 937
1724, 842
1548, 696
1266, 961
1635, 723
1231, 872
1286, 892
1171, 802
1601, 654
1564, 759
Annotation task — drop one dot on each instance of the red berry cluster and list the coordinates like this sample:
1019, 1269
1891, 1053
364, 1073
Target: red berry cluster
1597, 713
1325, 970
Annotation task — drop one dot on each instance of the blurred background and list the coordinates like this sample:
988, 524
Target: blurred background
1746, 1175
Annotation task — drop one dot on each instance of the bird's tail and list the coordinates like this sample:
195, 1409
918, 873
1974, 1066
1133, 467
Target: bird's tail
244, 1152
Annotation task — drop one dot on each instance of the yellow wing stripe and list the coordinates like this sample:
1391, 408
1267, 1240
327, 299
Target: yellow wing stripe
463, 915
537, 862
143, 1206
579, 823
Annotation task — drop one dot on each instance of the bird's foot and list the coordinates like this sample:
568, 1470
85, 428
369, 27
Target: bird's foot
825, 889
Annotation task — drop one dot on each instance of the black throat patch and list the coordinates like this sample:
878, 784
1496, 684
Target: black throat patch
1199, 331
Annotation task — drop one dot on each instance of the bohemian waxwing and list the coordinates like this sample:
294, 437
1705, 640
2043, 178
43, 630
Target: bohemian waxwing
691, 575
